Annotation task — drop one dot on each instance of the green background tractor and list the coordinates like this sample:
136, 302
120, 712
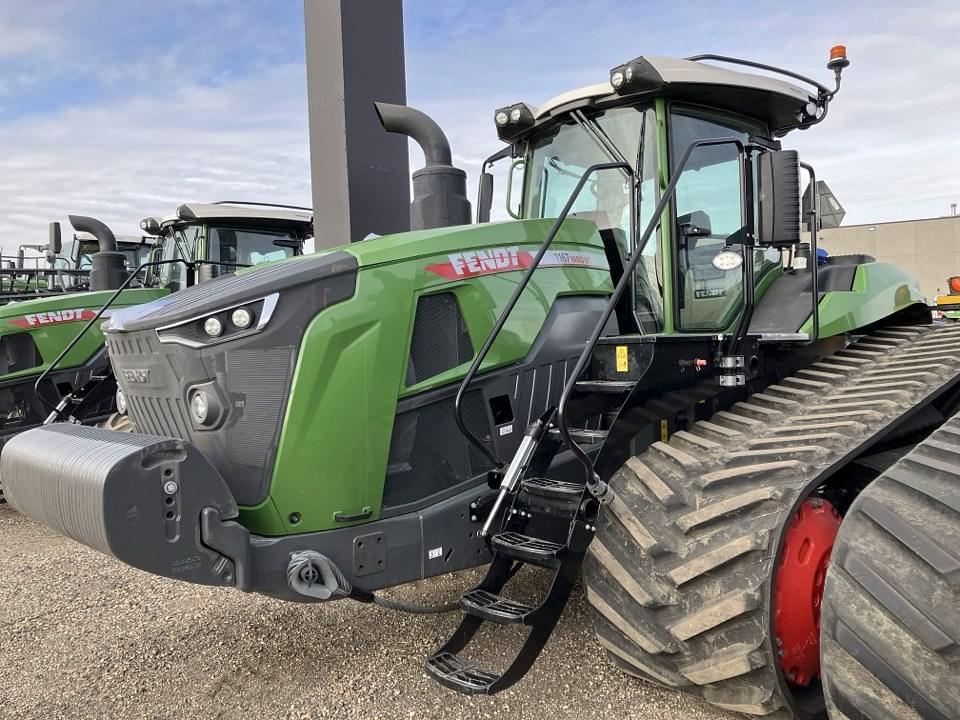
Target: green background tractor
648, 375
35, 332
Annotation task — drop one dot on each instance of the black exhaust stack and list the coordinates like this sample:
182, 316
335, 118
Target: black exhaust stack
109, 268
439, 189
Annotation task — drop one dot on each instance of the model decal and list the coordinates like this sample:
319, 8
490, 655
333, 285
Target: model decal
471, 263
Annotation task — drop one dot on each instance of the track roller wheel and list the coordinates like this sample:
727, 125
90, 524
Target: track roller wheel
798, 588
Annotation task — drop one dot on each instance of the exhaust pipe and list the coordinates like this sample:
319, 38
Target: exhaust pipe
108, 269
439, 189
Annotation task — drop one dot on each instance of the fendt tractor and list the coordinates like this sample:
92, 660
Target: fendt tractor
648, 375
54, 367
51, 273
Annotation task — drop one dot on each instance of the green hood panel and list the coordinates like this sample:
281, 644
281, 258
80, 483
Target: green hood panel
350, 368
53, 322
878, 291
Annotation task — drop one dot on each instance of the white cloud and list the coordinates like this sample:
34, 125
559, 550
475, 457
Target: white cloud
142, 156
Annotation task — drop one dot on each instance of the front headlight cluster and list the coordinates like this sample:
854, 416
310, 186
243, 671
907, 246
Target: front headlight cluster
230, 323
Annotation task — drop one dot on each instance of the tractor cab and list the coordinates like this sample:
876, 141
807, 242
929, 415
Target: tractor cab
224, 236
627, 139
79, 253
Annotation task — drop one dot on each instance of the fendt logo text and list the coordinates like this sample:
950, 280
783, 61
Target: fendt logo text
53, 317
495, 260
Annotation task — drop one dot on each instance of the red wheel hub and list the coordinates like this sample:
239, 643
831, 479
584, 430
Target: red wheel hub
798, 588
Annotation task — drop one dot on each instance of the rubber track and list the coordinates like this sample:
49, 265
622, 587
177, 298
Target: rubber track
678, 577
891, 614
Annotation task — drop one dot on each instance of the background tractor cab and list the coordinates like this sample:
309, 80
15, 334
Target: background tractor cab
223, 236
79, 252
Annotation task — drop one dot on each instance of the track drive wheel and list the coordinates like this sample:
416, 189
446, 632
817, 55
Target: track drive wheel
891, 608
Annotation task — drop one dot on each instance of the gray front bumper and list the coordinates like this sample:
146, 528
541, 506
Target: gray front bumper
152, 502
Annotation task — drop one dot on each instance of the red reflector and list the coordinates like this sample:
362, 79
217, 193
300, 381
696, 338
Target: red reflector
954, 285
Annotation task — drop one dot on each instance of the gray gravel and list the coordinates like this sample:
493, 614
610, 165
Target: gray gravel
82, 636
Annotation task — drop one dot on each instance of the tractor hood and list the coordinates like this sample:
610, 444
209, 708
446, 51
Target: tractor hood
503, 246
71, 307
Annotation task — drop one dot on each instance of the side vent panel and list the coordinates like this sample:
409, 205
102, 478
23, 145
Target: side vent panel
440, 339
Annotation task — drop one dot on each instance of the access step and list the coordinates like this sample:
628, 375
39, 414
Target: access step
461, 675
553, 489
581, 436
490, 606
527, 549
614, 387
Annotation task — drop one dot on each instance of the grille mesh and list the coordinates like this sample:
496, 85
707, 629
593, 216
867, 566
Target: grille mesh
440, 339
429, 454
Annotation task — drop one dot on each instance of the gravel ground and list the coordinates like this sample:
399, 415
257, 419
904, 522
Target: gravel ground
82, 636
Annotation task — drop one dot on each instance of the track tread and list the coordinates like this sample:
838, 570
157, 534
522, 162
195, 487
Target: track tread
891, 610
712, 502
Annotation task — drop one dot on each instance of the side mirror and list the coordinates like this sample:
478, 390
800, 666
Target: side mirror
485, 197
695, 224
779, 193
55, 244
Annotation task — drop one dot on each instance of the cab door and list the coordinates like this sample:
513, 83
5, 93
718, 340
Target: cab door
708, 209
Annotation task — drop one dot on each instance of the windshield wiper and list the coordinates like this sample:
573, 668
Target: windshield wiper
602, 140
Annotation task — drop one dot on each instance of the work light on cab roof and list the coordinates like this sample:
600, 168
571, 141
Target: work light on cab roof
512, 120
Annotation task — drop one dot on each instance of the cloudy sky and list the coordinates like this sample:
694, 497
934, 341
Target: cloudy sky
123, 109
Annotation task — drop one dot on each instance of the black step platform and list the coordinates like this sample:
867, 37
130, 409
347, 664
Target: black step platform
553, 489
490, 606
527, 549
461, 675
614, 387
581, 436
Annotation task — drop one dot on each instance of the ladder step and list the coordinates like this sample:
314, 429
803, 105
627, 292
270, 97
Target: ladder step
581, 436
615, 387
458, 674
528, 549
554, 489
490, 606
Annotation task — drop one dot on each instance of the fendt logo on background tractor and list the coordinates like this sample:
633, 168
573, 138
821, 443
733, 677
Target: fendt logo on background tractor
53, 317
471, 263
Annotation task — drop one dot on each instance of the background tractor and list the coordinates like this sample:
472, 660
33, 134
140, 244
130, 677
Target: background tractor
49, 370
23, 277
647, 376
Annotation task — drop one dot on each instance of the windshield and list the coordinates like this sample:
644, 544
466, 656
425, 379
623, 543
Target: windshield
556, 161
247, 246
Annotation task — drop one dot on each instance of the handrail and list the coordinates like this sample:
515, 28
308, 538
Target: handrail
188, 264
814, 217
515, 297
594, 484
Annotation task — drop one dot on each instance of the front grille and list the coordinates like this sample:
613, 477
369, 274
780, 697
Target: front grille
254, 383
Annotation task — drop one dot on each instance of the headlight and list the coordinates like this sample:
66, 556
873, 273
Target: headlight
229, 323
241, 318
121, 402
199, 407
213, 327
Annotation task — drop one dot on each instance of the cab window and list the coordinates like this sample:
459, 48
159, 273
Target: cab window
180, 244
246, 246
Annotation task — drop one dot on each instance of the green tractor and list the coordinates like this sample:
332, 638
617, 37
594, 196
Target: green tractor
643, 381
51, 273
49, 372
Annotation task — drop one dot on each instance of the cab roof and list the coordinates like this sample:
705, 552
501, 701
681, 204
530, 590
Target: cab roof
777, 103
299, 220
121, 239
